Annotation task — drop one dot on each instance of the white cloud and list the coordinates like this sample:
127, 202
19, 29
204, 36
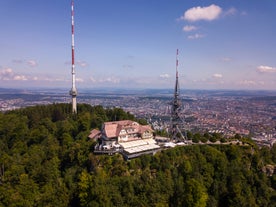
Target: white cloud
78, 63
195, 36
111, 79
10, 76
189, 28
261, 83
82, 64
217, 75
266, 69
248, 83
20, 78
6, 74
164, 75
80, 80
32, 63
209, 13
105, 80
6, 71
256, 84
231, 11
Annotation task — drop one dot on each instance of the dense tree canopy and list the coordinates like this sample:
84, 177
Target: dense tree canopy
47, 160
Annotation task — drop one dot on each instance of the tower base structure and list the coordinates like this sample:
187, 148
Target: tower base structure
73, 93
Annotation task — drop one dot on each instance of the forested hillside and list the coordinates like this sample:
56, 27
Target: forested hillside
46, 159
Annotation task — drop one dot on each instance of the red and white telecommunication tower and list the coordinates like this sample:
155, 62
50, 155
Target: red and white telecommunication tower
73, 91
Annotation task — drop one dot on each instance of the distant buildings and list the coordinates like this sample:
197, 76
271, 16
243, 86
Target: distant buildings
126, 137
248, 113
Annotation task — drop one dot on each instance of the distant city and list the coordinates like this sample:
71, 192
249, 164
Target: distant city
247, 113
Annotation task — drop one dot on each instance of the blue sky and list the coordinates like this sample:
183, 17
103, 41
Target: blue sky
226, 44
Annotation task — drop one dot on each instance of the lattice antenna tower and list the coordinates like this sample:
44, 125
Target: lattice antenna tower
176, 106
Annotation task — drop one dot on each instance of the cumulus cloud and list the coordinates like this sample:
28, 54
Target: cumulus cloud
8, 74
230, 12
20, 78
266, 69
164, 75
195, 36
32, 63
208, 13
189, 28
217, 75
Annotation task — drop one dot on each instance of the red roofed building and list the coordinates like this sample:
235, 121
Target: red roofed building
124, 136
94, 134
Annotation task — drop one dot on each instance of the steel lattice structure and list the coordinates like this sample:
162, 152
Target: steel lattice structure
175, 109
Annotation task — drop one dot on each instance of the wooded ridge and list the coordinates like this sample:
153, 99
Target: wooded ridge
46, 159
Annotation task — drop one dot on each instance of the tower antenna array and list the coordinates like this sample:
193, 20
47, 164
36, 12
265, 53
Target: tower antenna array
73, 91
175, 112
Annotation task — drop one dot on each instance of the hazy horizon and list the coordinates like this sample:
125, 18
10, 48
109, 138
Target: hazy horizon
84, 90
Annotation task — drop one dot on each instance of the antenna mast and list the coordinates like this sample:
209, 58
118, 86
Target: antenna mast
73, 91
175, 116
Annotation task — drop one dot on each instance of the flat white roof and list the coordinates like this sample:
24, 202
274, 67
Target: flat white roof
141, 148
139, 145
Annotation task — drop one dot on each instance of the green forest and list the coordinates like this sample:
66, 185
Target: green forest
46, 159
